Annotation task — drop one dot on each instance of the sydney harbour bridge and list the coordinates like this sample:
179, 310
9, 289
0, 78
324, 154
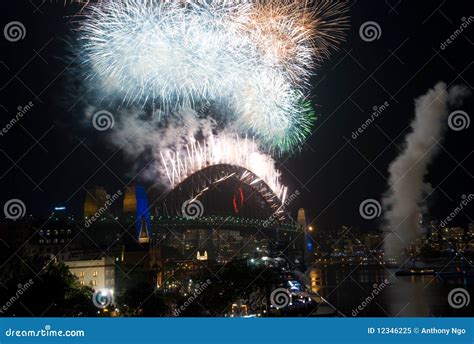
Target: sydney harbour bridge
218, 206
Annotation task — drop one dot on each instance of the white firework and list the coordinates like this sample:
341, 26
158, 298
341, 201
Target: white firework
269, 109
178, 53
164, 50
222, 149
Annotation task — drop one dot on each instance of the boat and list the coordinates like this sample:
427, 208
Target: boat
416, 272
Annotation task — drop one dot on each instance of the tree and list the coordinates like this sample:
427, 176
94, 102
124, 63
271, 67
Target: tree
34, 286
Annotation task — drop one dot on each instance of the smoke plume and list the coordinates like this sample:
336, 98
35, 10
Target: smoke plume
160, 147
407, 188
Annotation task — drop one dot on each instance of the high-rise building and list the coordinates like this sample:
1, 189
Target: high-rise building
130, 201
307, 240
135, 203
95, 200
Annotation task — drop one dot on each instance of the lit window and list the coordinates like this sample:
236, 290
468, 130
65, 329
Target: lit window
94, 283
82, 274
95, 274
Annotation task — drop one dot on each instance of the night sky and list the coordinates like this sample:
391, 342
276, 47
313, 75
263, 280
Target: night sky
52, 153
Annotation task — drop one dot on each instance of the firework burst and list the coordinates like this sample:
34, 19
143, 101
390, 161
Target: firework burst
177, 165
273, 112
164, 51
253, 57
293, 36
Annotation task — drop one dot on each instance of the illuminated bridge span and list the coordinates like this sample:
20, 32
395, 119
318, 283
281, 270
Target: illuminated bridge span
229, 222
226, 190
227, 150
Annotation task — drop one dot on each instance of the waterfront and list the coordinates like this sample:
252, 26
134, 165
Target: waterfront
346, 288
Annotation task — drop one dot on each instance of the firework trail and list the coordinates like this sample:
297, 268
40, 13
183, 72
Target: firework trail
222, 149
186, 145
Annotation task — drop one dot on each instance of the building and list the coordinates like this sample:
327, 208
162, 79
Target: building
135, 206
307, 240
95, 200
177, 275
54, 241
97, 274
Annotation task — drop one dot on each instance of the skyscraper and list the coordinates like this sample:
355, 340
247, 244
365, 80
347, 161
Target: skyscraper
95, 200
135, 203
307, 241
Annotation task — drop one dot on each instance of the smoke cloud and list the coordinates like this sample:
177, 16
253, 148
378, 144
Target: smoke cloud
147, 139
407, 188
142, 136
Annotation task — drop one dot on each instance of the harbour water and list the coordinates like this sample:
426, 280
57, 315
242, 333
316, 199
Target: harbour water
363, 291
